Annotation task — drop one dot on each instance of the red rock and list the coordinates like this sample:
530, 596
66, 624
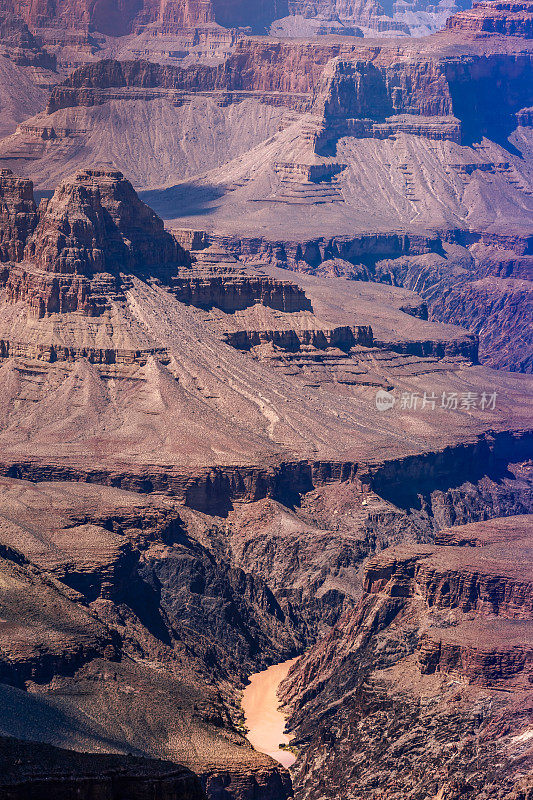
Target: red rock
507, 18
93, 228
96, 223
421, 686
18, 215
121, 17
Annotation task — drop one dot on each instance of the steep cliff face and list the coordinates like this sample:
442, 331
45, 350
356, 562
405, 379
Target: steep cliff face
497, 309
236, 292
92, 229
485, 288
124, 596
122, 17
174, 608
489, 17
95, 222
18, 215
20, 46
411, 679
32, 770
358, 83
468, 88
255, 65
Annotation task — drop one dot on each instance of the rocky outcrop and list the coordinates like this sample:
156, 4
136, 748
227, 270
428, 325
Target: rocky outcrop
263, 66
490, 17
92, 230
452, 579
484, 288
96, 223
309, 254
291, 340
18, 215
19, 45
482, 664
82, 244
343, 83
233, 292
430, 667
497, 309
57, 639
119, 19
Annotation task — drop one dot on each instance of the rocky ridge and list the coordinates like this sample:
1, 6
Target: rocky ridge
214, 20
509, 19
41, 771
424, 659
80, 320
93, 228
91, 560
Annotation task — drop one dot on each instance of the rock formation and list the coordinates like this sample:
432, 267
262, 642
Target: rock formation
115, 19
194, 470
92, 229
32, 770
489, 17
433, 114
18, 215
427, 680
252, 431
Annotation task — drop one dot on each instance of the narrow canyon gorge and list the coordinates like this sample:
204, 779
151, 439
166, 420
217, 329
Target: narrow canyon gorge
266, 442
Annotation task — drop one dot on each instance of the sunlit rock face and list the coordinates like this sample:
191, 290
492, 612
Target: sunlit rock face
90, 232
489, 17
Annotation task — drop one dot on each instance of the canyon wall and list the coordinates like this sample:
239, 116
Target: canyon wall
68, 774
122, 17
488, 17
409, 683
356, 84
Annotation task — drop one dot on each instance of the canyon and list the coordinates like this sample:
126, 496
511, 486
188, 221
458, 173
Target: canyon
331, 132
463, 668
265, 401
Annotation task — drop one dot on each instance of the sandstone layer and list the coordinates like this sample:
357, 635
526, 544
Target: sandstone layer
427, 679
351, 131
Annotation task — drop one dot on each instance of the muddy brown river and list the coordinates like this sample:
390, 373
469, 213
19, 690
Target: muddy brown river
264, 720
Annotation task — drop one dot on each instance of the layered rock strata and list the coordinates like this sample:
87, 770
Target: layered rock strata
358, 83
141, 349
121, 19
258, 480
85, 629
19, 45
507, 18
93, 229
19, 216
439, 632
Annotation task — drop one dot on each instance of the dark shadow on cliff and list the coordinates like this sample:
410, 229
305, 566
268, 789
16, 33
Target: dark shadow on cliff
487, 105
41, 719
473, 466
183, 200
